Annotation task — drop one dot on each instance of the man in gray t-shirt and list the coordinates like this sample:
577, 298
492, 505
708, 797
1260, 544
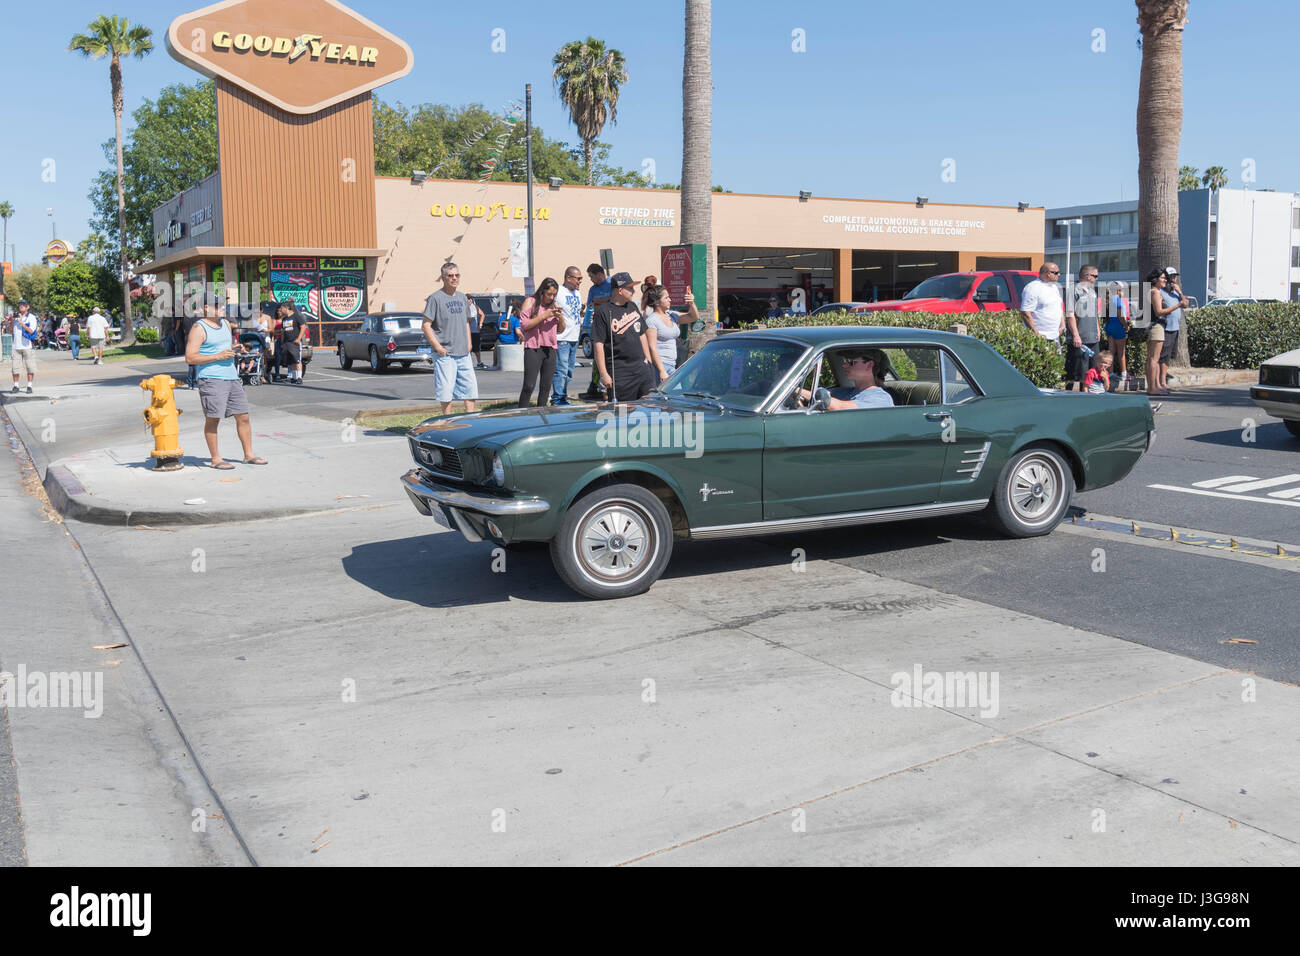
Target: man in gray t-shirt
446, 328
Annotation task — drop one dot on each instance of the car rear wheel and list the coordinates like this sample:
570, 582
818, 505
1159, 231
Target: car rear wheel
1033, 491
585, 345
345, 363
613, 542
377, 365
1293, 426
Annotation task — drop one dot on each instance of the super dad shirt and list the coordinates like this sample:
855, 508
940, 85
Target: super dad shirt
1085, 313
450, 317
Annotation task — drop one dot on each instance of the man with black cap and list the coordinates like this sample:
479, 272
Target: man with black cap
618, 337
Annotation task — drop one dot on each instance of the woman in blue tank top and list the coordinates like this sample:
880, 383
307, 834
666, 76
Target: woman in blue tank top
211, 348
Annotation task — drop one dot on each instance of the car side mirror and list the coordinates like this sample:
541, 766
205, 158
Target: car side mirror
821, 400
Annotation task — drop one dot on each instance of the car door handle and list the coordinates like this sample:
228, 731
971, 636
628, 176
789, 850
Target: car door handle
937, 416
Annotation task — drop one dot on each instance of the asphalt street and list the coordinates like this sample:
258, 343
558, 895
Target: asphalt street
366, 678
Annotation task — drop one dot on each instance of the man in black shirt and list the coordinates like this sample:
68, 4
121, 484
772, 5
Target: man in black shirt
291, 328
618, 338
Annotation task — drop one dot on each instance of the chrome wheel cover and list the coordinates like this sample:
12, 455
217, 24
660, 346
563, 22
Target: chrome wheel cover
1035, 489
615, 542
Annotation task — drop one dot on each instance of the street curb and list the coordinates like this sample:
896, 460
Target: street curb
69, 498
1191, 377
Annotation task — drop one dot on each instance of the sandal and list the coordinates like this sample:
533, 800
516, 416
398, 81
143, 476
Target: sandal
255, 461
223, 466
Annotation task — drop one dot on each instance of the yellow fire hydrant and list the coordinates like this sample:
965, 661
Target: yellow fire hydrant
163, 417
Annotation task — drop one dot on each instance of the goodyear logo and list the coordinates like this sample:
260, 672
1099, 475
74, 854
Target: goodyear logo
311, 45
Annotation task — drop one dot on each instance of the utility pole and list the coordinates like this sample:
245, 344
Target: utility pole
528, 153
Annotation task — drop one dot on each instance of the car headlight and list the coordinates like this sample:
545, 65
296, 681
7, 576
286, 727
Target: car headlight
498, 471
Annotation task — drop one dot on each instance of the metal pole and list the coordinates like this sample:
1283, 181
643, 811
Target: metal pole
528, 151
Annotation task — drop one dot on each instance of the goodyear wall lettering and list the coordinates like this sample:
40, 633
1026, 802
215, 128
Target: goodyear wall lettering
310, 45
498, 210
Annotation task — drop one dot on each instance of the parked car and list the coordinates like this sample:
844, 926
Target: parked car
493, 307
383, 339
1278, 391
725, 451
960, 292
837, 307
1230, 300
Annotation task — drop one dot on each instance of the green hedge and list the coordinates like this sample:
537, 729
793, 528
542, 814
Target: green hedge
1038, 360
1242, 336
144, 335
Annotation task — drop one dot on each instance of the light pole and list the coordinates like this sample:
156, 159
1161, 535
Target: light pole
54, 227
1068, 232
528, 160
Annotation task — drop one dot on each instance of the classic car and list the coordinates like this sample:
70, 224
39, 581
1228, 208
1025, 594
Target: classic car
383, 339
1278, 391
727, 448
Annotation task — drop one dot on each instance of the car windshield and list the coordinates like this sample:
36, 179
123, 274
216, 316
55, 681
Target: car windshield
402, 323
740, 372
942, 287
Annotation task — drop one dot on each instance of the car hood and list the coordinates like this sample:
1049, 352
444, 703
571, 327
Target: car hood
500, 427
902, 305
1286, 358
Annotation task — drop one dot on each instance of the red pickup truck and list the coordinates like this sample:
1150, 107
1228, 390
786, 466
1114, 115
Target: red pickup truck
960, 292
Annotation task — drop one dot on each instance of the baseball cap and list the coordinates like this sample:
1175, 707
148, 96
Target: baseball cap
1170, 271
23, 302
621, 279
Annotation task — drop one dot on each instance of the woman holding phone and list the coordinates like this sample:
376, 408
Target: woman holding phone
541, 319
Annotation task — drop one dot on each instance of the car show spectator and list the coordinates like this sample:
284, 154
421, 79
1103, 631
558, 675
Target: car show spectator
541, 318
618, 339
1117, 322
597, 295
1162, 303
292, 328
211, 351
664, 327
1084, 328
97, 325
23, 354
1096, 381
72, 328
1041, 303
1173, 325
566, 342
446, 328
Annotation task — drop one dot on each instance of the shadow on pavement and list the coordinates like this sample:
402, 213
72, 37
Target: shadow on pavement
1271, 434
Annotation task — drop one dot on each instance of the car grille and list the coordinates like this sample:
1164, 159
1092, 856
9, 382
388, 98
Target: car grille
436, 459
1284, 375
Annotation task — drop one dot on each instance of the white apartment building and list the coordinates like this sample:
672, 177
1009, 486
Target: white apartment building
1234, 242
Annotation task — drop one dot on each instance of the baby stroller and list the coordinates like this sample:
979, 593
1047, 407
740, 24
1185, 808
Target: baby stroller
252, 363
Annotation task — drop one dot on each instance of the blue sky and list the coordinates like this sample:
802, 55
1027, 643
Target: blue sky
1012, 91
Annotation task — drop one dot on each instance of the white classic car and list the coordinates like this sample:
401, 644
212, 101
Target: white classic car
1278, 391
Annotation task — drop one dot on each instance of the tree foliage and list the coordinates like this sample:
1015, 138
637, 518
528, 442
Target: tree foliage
172, 146
1188, 178
28, 283
456, 142
588, 78
78, 287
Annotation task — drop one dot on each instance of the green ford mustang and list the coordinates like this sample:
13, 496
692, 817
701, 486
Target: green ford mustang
764, 432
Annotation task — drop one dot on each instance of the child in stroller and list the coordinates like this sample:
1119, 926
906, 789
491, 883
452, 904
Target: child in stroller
252, 362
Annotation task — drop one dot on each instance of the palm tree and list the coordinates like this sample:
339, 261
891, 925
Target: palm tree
1159, 129
115, 37
588, 77
697, 165
1216, 177
1189, 177
6, 213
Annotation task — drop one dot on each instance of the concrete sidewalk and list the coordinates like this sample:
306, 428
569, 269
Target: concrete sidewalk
91, 446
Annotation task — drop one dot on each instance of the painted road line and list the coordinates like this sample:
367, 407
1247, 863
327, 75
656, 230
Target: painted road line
1288, 493
1216, 494
1217, 482
1262, 483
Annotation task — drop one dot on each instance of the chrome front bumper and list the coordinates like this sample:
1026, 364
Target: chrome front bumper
469, 512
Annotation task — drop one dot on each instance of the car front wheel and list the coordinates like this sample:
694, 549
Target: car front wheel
613, 542
1033, 491
585, 345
